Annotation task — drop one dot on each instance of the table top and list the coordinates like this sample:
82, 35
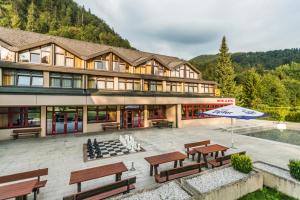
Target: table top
97, 172
164, 158
17, 189
210, 149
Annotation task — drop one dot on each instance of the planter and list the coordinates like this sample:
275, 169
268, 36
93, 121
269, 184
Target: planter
279, 178
168, 191
223, 183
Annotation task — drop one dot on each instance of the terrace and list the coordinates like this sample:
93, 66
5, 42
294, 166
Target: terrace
62, 155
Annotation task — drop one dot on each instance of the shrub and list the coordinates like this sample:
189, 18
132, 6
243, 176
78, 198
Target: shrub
242, 163
293, 117
294, 167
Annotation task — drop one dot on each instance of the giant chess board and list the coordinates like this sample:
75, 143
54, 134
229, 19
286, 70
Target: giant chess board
109, 148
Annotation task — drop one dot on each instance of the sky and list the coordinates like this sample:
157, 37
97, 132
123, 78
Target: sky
188, 28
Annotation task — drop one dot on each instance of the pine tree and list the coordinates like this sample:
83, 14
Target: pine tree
251, 88
32, 22
225, 71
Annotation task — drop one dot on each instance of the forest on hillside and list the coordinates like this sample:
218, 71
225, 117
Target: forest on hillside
243, 61
61, 18
266, 81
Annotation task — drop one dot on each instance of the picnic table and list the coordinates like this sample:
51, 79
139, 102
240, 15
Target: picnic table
155, 161
215, 148
97, 172
18, 190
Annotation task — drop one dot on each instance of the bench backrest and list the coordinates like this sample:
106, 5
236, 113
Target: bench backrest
196, 144
27, 130
179, 170
102, 189
24, 175
228, 157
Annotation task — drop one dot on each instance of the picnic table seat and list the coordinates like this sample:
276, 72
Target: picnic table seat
28, 175
102, 192
224, 160
191, 151
171, 174
111, 125
26, 131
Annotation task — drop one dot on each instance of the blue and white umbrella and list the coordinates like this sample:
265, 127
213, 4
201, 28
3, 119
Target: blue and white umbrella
235, 112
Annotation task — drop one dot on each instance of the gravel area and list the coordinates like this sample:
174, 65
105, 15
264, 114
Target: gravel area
170, 191
276, 171
212, 180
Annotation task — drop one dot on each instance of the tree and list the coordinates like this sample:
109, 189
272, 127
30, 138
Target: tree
273, 92
251, 88
32, 22
224, 71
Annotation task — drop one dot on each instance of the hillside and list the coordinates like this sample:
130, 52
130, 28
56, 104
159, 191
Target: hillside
62, 18
242, 61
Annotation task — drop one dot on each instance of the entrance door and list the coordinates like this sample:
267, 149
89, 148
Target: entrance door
63, 120
129, 119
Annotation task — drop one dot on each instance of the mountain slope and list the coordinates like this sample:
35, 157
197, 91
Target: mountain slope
62, 18
262, 60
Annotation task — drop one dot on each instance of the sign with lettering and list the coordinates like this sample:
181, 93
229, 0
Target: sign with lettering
217, 92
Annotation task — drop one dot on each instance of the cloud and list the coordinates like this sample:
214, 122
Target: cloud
192, 27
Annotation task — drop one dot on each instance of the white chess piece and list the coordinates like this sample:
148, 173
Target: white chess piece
138, 147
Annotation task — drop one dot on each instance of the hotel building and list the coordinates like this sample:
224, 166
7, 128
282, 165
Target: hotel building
68, 86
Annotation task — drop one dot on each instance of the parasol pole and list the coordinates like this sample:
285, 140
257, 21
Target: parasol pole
232, 141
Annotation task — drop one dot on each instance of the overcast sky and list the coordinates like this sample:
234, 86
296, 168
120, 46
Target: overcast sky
187, 28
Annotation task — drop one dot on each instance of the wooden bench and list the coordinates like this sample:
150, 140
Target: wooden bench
192, 152
224, 160
26, 131
160, 123
28, 175
113, 125
179, 172
105, 191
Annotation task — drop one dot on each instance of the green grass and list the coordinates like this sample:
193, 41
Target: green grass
266, 194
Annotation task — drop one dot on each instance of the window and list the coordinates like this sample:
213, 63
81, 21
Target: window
101, 83
158, 69
65, 58
22, 78
153, 86
37, 55
59, 80
20, 117
101, 65
191, 87
119, 66
7, 55
208, 88
156, 112
129, 84
194, 111
173, 87
98, 114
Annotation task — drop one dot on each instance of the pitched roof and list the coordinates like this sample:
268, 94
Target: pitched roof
18, 40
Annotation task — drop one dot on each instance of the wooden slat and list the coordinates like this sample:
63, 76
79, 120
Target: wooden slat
164, 158
196, 144
210, 149
17, 189
179, 170
24, 175
97, 172
27, 130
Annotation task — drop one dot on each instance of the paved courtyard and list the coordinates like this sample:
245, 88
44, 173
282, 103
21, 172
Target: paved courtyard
64, 154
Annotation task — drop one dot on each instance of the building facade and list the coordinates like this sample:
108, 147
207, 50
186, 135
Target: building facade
68, 86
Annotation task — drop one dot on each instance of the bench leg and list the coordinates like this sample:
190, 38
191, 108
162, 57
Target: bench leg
181, 163
193, 157
223, 153
205, 160
175, 163
155, 169
199, 157
151, 170
118, 176
78, 187
217, 154
34, 194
